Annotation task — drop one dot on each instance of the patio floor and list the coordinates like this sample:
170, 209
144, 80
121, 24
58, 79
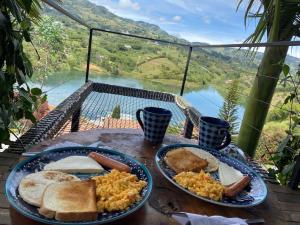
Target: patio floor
97, 110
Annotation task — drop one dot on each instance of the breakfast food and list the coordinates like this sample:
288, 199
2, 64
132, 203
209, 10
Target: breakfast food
237, 187
75, 164
70, 201
117, 190
228, 175
201, 184
110, 163
213, 162
181, 160
32, 186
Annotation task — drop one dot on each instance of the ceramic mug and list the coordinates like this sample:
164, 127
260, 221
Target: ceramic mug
214, 133
156, 121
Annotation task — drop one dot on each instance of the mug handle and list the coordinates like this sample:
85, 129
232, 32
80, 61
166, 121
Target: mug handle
227, 140
138, 117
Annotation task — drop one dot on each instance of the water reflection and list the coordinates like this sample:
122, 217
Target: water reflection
207, 101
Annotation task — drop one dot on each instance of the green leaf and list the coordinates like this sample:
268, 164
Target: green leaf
27, 5
25, 94
287, 99
34, 98
30, 116
288, 168
26, 36
296, 131
43, 99
4, 135
285, 69
36, 91
19, 114
283, 144
3, 21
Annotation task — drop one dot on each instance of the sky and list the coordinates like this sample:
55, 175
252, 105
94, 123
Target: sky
209, 21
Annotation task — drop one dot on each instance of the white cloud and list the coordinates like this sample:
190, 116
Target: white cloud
205, 37
179, 3
206, 19
162, 19
129, 4
177, 18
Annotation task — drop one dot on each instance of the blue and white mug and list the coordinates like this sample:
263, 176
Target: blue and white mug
214, 133
156, 121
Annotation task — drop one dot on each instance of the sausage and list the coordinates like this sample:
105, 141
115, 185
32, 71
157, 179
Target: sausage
110, 163
237, 187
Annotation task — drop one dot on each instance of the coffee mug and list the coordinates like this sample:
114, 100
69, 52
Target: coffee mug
156, 121
214, 133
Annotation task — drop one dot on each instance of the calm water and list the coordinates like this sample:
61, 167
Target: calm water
60, 85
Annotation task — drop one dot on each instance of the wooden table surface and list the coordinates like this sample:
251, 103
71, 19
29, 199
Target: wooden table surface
165, 197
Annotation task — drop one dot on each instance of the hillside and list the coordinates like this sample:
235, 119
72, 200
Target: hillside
122, 56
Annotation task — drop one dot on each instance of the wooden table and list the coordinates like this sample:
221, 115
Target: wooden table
165, 197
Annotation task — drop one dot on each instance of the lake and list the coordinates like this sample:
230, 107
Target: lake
59, 86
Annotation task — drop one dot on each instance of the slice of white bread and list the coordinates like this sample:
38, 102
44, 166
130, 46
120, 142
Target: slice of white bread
70, 201
32, 186
75, 164
228, 175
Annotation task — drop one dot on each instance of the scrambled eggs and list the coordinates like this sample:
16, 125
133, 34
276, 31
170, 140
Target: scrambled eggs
201, 183
117, 190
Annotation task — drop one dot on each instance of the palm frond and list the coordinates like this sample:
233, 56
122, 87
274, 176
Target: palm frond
274, 17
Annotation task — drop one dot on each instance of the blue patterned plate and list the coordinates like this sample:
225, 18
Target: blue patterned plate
253, 195
37, 163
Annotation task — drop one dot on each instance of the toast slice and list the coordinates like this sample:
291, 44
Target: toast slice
33, 185
70, 201
182, 160
75, 164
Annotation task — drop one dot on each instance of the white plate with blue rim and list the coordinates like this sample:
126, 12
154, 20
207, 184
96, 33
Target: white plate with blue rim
37, 162
254, 194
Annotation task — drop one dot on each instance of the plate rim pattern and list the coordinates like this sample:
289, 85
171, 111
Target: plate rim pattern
174, 146
93, 222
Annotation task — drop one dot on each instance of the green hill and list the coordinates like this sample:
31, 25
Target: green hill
123, 56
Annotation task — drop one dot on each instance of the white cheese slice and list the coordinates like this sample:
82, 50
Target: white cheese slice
75, 164
228, 175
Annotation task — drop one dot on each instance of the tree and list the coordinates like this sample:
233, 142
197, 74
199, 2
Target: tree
278, 20
116, 114
230, 107
49, 40
17, 100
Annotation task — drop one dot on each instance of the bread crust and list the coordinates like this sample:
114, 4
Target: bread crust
70, 216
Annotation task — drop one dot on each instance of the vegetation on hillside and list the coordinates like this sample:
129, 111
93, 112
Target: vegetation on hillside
282, 149
229, 111
137, 58
116, 114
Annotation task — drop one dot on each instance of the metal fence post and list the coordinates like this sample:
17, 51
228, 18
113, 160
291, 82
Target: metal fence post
188, 128
89, 56
186, 70
75, 120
